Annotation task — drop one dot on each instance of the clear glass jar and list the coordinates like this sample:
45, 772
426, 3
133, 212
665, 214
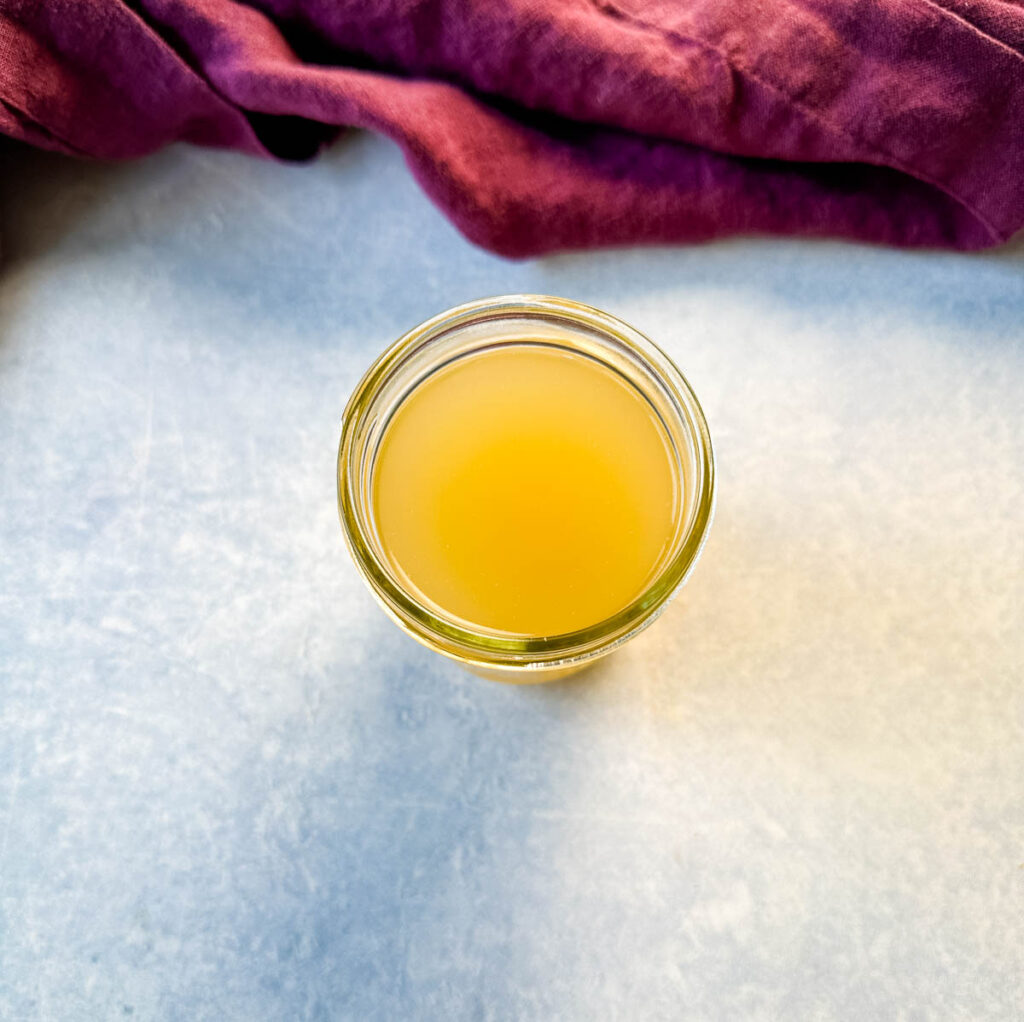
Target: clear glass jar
467, 329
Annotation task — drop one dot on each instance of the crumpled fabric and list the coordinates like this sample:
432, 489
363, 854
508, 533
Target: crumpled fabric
537, 126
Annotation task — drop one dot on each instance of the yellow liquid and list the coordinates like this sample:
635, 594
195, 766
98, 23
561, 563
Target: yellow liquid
526, 489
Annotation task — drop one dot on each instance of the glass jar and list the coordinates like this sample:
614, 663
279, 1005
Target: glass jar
471, 328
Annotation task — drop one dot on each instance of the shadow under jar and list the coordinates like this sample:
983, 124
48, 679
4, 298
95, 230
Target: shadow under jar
524, 482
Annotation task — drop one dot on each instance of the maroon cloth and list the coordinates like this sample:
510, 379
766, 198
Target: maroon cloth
546, 124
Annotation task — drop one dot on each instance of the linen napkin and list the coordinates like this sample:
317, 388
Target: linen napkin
538, 126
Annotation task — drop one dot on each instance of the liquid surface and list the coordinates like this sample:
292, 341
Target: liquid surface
525, 489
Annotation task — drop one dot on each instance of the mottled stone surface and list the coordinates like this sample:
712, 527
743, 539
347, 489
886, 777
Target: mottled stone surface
230, 789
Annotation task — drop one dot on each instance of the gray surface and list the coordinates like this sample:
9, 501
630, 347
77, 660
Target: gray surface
230, 789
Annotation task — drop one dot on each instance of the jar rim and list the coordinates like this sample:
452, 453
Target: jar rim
478, 647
